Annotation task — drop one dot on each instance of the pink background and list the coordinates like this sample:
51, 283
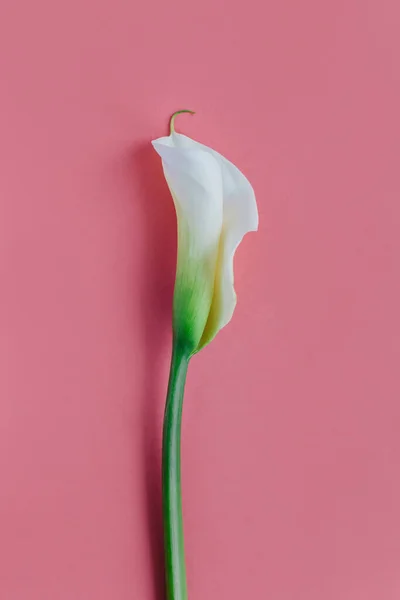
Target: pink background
291, 445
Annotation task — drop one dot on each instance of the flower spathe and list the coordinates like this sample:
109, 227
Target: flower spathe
215, 206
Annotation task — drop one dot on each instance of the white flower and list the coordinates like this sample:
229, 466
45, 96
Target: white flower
215, 206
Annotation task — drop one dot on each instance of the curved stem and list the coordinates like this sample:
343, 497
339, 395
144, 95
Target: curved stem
172, 121
171, 478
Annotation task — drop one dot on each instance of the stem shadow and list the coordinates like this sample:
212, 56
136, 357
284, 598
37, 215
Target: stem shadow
159, 263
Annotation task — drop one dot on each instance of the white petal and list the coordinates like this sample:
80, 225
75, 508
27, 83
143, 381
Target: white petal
240, 216
195, 180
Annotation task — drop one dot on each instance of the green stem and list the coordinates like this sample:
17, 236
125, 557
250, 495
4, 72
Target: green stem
171, 478
172, 121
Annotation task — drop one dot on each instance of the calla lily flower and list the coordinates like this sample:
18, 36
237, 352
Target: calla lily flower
215, 206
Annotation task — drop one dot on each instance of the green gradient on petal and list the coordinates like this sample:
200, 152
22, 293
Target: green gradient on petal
212, 325
194, 288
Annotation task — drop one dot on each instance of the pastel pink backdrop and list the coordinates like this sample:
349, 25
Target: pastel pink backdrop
291, 446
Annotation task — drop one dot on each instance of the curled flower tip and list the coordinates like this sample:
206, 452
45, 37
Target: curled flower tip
178, 112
